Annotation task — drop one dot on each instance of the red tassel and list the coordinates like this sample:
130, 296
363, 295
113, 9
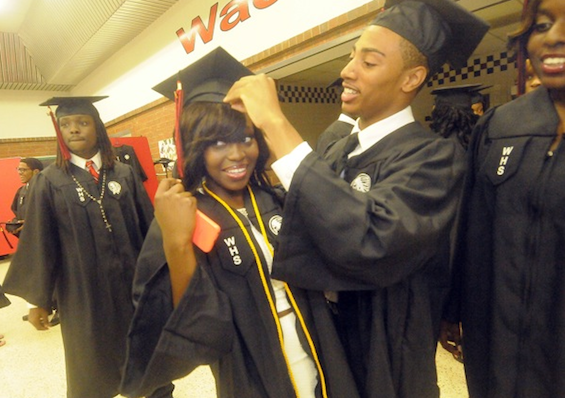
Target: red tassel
62, 146
179, 100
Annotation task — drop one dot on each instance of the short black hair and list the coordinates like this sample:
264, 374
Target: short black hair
33, 163
412, 57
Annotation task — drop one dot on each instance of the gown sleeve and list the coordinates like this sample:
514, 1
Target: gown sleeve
14, 206
377, 237
474, 201
34, 268
166, 343
143, 203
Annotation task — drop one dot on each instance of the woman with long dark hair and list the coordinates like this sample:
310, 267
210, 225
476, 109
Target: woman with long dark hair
510, 268
219, 306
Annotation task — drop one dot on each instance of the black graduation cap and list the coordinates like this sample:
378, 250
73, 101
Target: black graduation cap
74, 105
458, 96
206, 80
70, 106
441, 29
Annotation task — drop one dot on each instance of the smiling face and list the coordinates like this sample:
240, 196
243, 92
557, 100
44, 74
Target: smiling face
25, 172
374, 79
546, 44
79, 134
230, 165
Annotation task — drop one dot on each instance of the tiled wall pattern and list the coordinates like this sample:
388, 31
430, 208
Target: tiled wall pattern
155, 121
476, 68
311, 95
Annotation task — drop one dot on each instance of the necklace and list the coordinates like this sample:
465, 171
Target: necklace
99, 201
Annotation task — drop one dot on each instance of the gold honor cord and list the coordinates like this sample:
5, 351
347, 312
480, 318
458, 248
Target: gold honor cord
266, 286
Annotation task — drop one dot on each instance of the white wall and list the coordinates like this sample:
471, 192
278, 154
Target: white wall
127, 77
21, 115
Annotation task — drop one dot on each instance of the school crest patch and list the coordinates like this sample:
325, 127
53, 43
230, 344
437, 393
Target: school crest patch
275, 224
115, 187
361, 183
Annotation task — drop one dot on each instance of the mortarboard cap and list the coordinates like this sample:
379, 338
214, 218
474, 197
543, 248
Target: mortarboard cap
206, 80
458, 96
70, 106
74, 105
442, 30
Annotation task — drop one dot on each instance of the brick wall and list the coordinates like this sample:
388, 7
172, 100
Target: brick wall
154, 121
27, 147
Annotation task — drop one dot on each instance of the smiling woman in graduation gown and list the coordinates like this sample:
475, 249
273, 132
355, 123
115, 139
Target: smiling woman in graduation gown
508, 292
224, 319
261, 337
512, 302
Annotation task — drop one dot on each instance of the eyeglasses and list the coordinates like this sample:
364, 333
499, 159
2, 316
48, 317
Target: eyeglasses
22, 170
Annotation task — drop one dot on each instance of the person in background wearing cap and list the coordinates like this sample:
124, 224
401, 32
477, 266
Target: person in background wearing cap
478, 104
453, 118
508, 292
384, 219
84, 230
452, 115
219, 306
338, 129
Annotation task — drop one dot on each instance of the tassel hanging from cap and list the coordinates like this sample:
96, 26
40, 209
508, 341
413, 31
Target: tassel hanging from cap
62, 146
179, 100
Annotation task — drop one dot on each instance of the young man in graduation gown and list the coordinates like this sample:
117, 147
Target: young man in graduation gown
27, 169
85, 225
385, 218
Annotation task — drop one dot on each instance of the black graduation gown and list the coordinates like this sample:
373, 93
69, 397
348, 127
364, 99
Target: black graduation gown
65, 249
4, 301
511, 269
18, 204
335, 131
386, 225
223, 319
126, 154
